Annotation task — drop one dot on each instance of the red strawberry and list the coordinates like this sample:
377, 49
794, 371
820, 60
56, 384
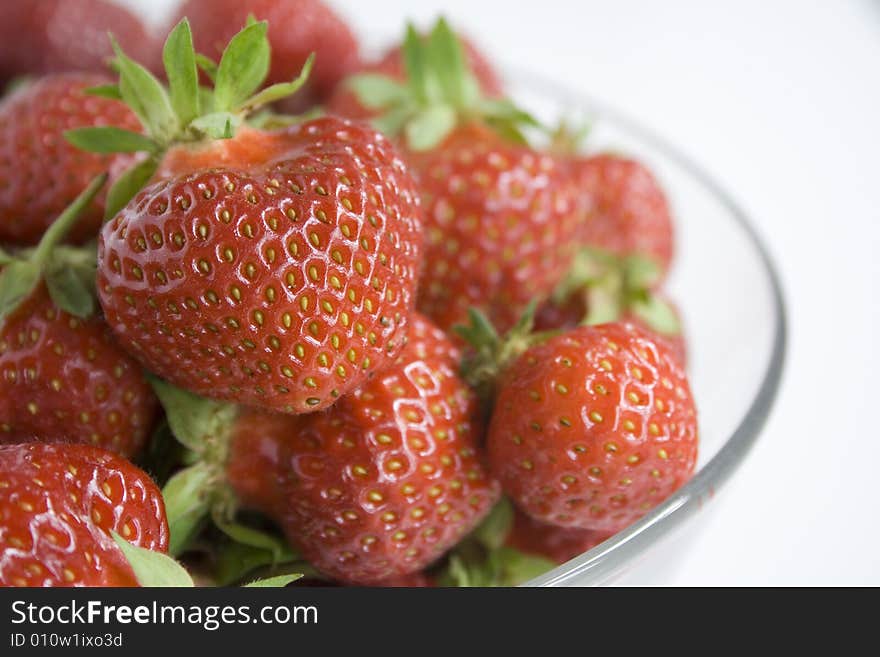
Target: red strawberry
628, 210
345, 102
275, 269
501, 219
559, 544
58, 504
41, 172
282, 285
50, 36
64, 379
593, 428
389, 478
297, 28
499, 222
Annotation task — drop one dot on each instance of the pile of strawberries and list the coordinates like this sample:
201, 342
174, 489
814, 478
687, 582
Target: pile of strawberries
364, 322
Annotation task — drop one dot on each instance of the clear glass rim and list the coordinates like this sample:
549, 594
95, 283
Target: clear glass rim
610, 557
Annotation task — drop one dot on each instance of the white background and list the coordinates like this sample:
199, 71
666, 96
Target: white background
780, 101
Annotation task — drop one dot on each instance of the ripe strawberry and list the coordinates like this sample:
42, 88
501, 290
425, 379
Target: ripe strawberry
51, 36
58, 506
345, 102
297, 28
64, 379
275, 269
385, 481
41, 172
593, 428
628, 210
559, 544
499, 221
500, 218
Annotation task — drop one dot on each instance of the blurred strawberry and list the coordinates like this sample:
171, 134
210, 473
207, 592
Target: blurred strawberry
53, 36
559, 544
42, 173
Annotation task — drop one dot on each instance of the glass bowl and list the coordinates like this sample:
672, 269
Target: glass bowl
728, 291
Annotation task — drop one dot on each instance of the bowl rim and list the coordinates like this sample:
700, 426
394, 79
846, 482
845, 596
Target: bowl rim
613, 555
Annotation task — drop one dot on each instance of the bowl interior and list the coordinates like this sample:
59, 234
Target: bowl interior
728, 292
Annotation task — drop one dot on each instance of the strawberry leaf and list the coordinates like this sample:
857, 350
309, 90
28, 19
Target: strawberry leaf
377, 91
187, 501
179, 57
70, 291
146, 97
657, 314
198, 423
278, 581
446, 61
243, 67
280, 90
207, 66
110, 91
493, 531
17, 281
128, 185
153, 569
108, 139
430, 127
249, 536
217, 125
415, 64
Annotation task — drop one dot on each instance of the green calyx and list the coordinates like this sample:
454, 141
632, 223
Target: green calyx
69, 272
483, 559
491, 353
183, 111
614, 286
439, 93
155, 569
200, 491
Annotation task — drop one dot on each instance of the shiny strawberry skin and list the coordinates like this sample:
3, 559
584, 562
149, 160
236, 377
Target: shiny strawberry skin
41, 172
558, 544
297, 28
53, 36
628, 212
64, 379
390, 477
593, 428
283, 285
500, 227
344, 101
58, 504
570, 312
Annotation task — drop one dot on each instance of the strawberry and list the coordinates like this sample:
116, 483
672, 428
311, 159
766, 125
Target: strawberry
558, 544
41, 172
62, 376
275, 269
500, 217
376, 487
59, 504
52, 36
628, 210
297, 28
345, 102
601, 287
389, 478
592, 428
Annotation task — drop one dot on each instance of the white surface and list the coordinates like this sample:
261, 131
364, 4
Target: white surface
781, 102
